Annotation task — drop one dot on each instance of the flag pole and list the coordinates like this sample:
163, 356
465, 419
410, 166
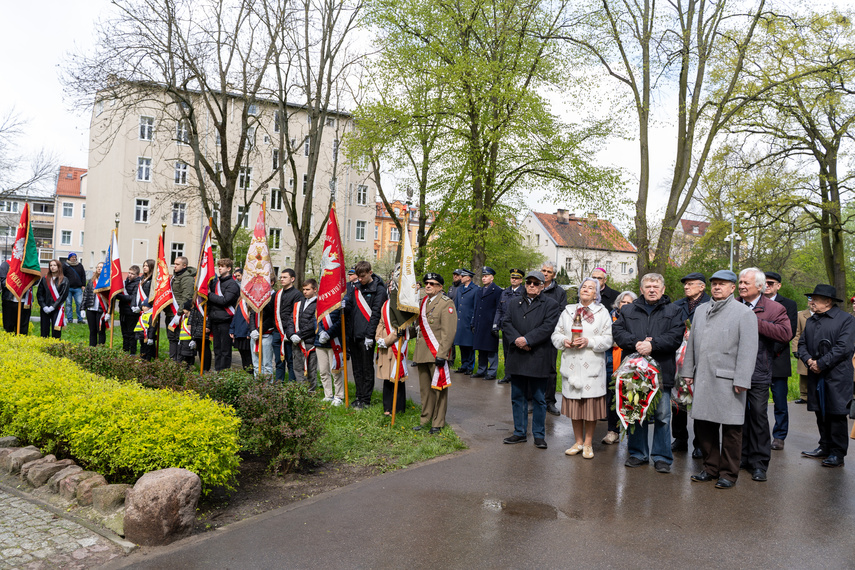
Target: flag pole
259, 320
112, 321
157, 322
204, 319
18, 324
343, 333
397, 378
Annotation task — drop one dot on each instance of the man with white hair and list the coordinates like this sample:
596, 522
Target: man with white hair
773, 326
554, 291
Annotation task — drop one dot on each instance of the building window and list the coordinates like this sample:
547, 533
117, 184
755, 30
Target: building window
275, 199
182, 132
696, 229
287, 262
243, 217
277, 121
245, 178
99, 108
65, 237
81, 239
275, 238
275, 159
178, 213
67, 210
623, 265
141, 211
83, 211
8, 206
219, 139
181, 173
305, 183
253, 109
360, 230
42, 208
306, 146
330, 122
376, 231
395, 234
361, 195
250, 138
177, 251
335, 149
143, 169
608, 267
215, 217
568, 265
146, 128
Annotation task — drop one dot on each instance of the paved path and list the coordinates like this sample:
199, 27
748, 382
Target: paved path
34, 538
514, 506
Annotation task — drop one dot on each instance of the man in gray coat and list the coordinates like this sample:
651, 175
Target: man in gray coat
720, 357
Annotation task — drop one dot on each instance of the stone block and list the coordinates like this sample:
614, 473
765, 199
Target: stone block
108, 498
53, 482
116, 523
25, 468
9, 441
5, 452
40, 474
161, 507
68, 486
84, 489
18, 458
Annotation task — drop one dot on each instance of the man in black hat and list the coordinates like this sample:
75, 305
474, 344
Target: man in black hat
483, 338
694, 286
516, 289
464, 304
781, 365
826, 348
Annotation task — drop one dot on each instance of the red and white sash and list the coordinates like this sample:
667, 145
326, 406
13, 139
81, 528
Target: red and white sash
141, 298
176, 320
59, 320
335, 343
441, 376
299, 307
278, 320
388, 329
218, 289
101, 304
363, 305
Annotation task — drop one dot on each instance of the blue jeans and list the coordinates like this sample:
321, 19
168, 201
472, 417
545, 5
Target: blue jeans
519, 405
488, 363
782, 417
266, 356
637, 441
77, 296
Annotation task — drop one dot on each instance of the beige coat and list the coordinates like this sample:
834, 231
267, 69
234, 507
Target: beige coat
442, 319
384, 356
794, 344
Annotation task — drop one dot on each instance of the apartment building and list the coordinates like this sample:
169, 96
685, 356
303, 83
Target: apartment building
387, 236
42, 220
70, 212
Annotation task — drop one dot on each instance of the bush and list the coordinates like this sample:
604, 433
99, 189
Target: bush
119, 430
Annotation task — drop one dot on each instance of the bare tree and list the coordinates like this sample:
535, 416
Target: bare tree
19, 174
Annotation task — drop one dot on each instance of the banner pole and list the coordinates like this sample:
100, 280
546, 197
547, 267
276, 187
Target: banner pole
156, 326
344, 362
397, 379
18, 324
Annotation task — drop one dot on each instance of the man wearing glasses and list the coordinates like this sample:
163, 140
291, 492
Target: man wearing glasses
437, 327
515, 290
557, 293
781, 365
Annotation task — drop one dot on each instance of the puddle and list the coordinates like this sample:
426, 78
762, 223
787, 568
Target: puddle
526, 509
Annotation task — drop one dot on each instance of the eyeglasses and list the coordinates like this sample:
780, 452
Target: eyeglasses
600, 278
770, 283
431, 283
532, 283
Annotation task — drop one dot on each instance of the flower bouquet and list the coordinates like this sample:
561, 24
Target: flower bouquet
636, 385
681, 397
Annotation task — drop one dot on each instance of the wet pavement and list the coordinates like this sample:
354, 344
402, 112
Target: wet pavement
502, 506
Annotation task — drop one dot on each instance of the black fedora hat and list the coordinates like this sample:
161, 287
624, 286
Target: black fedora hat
823, 290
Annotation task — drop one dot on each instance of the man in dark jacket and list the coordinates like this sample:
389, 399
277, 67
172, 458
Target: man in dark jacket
483, 338
303, 339
452, 294
826, 348
362, 310
557, 293
464, 306
76, 275
183, 285
516, 289
129, 309
608, 295
694, 286
283, 301
223, 296
530, 320
652, 326
773, 326
781, 365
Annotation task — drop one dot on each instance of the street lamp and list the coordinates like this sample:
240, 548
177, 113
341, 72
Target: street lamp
733, 237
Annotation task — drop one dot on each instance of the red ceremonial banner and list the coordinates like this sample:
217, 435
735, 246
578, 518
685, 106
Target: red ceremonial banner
332, 286
256, 288
24, 267
162, 290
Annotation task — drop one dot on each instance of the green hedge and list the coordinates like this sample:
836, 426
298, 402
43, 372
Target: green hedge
120, 430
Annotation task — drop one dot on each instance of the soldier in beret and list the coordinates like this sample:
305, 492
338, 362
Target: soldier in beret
516, 289
485, 340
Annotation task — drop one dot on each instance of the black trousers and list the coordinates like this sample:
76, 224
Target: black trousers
680, 426
222, 345
10, 317
97, 328
46, 323
833, 433
363, 370
552, 379
721, 453
129, 337
389, 391
756, 437
506, 344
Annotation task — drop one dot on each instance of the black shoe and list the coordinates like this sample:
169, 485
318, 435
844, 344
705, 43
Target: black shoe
680, 445
540, 443
504, 381
702, 477
661, 467
818, 453
551, 409
419, 428
758, 475
635, 462
800, 401
725, 484
434, 431
462, 371
489, 377
697, 454
478, 375
515, 439
832, 461
357, 405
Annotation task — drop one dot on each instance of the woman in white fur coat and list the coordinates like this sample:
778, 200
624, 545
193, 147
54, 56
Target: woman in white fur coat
583, 365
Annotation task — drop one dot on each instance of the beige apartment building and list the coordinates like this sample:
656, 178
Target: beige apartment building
141, 175
70, 212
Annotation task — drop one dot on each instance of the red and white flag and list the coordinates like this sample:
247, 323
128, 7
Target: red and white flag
206, 270
255, 287
332, 285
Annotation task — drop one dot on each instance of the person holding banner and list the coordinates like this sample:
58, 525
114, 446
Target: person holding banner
363, 307
283, 336
223, 295
53, 291
386, 337
145, 330
10, 305
96, 309
240, 327
328, 348
305, 319
437, 327
130, 306
183, 285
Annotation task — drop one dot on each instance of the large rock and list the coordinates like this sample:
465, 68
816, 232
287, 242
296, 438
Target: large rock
68, 486
40, 474
25, 468
109, 497
84, 489
18, 458
5, 452
54, 481
9, 441
161, 507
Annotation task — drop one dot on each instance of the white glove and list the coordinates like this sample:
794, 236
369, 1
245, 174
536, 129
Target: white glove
382, 343
295, 338
135, 309
343, 302
175, 320
254, 335
323, 337
192, 344
150, 341
48, 309
369, 342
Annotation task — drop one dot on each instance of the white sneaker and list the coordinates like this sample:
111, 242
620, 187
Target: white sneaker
327, 399
337, 401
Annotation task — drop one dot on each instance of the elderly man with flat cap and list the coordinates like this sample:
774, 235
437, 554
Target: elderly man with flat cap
437, 327
719, 367
515, 289
826, 348
464, 304
484, 339
781, 365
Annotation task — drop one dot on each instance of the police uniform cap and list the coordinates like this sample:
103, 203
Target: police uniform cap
488, 271
466, 272
516, 274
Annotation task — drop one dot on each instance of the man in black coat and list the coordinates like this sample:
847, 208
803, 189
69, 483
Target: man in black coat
529, 323
76, 275
284, 300
130, 306
826, 348
607, 294
484, 339
363, 307
653, 326
223, 297
557, 293
781, 365
516, 289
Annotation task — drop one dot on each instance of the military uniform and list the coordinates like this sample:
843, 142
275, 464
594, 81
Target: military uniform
484, 339
441, 317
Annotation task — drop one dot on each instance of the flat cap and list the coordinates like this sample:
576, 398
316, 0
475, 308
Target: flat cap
694, 277
433, 277
537, 275
724, 275
774, 275
488, 270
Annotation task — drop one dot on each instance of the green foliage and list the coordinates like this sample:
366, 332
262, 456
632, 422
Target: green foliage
121, 430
